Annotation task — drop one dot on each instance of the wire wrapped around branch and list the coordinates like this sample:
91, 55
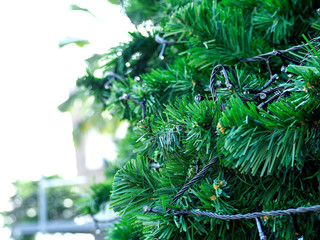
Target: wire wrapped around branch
267, 84
282, 54
141, 103
195, 178
278, 92
161, 40
223, 69
262, 93
273, 213
113, 76
277, 52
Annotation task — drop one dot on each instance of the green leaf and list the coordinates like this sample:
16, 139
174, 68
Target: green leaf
74, 7
71, 40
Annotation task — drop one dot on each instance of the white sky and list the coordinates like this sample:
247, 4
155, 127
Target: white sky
35, 77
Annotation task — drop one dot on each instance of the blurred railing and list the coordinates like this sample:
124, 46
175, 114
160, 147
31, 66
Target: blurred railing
81, 224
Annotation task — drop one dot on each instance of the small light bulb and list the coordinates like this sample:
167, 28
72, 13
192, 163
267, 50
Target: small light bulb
263, 96
137, 78
283, 69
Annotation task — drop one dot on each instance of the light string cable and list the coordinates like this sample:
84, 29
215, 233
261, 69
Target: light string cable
280, 53
225, 70
228, 72
255, 215
280, 92
164, 43
142, 104
262, 94
158, 39
114, 76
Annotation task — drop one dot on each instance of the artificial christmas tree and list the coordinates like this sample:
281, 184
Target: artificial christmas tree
224, 124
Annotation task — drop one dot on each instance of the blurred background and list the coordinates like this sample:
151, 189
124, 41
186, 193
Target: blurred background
49, 152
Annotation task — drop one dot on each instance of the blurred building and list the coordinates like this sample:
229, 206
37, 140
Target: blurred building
91, 167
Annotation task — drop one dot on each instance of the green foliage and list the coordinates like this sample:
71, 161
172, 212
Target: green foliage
124, 230
271, 151
97, 195
261, 137
225, 35
282, 20
78, 42
142, 10
114, 1
132, 192
125, 149
141, 53
75, 7
26, 237
95, 198
178, 135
